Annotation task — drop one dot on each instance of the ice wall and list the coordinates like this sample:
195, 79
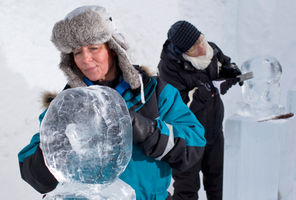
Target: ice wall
260, 158
252, 153
266, 27
291, 101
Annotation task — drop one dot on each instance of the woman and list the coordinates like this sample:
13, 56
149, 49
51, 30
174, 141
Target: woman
166, 134
190, 63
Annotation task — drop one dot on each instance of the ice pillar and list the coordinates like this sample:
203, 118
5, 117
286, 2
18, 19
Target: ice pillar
260, 157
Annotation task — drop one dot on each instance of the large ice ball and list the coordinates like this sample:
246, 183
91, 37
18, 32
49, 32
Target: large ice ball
86, 135
262, 93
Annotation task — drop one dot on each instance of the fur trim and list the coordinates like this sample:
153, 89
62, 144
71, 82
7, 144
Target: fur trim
147, 71
47, 98
130, 74
86, 28
90, 25
73, 74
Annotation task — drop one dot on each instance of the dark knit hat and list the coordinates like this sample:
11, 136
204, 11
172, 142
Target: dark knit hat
183, 35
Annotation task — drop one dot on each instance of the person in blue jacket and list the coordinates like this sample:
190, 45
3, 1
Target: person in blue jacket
166, 134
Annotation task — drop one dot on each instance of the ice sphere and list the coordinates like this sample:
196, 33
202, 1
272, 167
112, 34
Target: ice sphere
86, 135
261, 94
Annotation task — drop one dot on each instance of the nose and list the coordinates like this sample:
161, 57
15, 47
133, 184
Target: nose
86, 56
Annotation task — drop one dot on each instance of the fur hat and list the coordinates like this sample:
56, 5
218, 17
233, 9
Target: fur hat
183, 35
90, 25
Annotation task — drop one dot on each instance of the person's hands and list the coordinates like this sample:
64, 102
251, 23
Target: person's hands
235, 70
238, 72
143, 127
225, 85
231, 71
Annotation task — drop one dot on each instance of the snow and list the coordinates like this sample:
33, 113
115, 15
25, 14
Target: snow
29, 61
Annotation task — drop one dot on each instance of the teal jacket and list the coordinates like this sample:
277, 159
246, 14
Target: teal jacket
179, 144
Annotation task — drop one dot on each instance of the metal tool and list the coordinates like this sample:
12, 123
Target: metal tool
245, 76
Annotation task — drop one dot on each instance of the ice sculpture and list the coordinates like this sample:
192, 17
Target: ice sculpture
261, 94
259, 155
86, 140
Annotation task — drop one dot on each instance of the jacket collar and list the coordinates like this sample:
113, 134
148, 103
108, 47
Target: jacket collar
169, 52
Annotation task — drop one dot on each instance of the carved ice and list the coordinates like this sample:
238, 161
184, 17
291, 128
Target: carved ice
86, 140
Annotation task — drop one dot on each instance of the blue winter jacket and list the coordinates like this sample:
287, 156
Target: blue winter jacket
179, 145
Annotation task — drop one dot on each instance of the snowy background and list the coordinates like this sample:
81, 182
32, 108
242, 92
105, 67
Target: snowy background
29, 61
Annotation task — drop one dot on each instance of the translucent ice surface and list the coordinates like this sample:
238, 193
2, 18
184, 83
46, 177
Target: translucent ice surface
262, 93
118, 190
86, 135
259, 159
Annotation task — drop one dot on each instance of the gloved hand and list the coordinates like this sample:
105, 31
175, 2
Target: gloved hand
225, 85
143, 127
230, 71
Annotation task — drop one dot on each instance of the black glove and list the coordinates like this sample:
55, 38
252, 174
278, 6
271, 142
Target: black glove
225, 85
143, 127
230, 71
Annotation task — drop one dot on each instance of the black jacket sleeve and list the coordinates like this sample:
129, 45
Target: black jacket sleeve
222, 58
34, 171
178, 137
169, 74
227, 69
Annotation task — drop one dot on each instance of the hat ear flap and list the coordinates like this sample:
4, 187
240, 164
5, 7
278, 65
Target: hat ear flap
60, 36
120, 39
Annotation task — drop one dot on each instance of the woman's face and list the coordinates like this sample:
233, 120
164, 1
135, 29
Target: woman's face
198, 49
96, 62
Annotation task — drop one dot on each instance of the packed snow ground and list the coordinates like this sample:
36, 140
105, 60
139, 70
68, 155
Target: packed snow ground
29, 61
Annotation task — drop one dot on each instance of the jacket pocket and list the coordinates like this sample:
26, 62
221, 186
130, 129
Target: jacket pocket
201, 97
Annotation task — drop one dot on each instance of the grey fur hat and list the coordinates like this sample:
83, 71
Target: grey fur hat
90, 25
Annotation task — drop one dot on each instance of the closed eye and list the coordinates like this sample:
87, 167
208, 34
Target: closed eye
93, 48
76, 53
